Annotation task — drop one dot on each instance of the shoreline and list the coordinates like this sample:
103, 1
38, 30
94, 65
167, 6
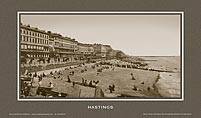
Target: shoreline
154, 91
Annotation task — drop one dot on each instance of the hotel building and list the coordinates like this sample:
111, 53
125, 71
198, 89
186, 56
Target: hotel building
38, 47
34, 45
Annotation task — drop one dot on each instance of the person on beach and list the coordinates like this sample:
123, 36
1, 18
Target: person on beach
85, 82
35, 74
134, 88
51, 85
132, 76
34, 86
68, 79
82, 71
93, 66
30, 74
90, 83
73, 72
148, 88
40, 78
113, 86
96, 82
110, 88
73, 84
44, 75
82, 80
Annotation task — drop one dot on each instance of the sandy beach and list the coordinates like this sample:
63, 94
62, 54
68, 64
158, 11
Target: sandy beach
147, 84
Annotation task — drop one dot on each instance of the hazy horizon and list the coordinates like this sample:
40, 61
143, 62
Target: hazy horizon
136, 35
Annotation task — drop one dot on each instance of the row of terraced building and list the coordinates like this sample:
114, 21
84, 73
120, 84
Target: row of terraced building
40, 47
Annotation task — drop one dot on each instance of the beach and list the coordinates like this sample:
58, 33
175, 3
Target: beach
146, 83
169, 84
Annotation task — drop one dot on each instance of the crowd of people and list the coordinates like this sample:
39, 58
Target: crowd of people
33, 87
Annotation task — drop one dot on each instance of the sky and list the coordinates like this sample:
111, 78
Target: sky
137, 35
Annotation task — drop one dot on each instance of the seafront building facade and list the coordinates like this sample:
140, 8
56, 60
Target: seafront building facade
62, 49
34, 45
39, 47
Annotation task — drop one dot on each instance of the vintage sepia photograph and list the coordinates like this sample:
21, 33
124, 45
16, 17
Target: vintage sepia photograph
101, 56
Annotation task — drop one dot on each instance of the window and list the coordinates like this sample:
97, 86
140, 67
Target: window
25, 38
22, 38
25, 46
